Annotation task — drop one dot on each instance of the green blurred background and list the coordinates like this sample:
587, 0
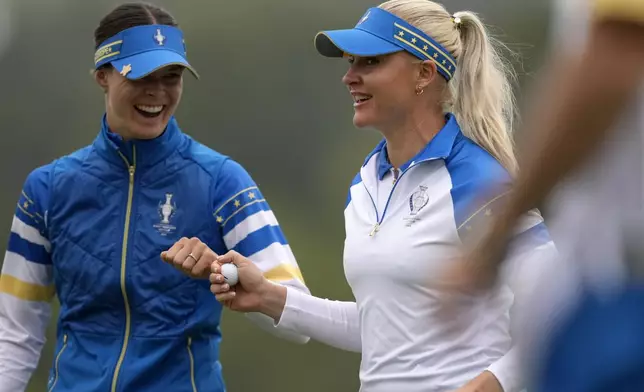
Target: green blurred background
265, 98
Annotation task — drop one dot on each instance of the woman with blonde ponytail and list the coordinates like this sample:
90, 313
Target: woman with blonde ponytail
436, 88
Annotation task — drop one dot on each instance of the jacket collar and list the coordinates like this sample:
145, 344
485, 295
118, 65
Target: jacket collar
143, 153
440, 147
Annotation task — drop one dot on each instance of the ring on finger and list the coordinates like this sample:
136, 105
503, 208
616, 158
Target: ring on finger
193, 257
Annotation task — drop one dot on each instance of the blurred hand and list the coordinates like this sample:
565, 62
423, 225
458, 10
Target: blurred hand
247, 295
190, 256
472, 275
469, 275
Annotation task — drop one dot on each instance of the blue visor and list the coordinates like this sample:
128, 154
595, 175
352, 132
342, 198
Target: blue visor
138, 51
378, 33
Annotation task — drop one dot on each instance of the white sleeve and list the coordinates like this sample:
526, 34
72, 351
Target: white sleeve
26, 290
335, 323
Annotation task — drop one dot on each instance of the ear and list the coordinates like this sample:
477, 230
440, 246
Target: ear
427, 74
101, 78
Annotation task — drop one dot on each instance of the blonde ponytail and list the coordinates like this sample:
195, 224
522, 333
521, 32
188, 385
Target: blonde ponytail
483, 98
480, 95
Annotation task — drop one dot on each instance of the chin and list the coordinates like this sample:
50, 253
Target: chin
147, 132
361, 121
149, 128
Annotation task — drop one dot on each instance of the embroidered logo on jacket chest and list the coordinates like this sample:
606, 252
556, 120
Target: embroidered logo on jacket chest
417, 201
167, 209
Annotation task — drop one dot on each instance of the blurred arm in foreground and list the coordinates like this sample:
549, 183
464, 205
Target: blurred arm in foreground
582, 99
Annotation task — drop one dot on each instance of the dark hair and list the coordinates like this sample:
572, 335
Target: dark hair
129, 15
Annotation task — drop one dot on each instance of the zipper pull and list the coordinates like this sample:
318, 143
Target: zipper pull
131, 170
396, 174
376, 227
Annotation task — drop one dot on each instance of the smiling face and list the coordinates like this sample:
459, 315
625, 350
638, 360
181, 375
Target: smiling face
383, 88
141, 109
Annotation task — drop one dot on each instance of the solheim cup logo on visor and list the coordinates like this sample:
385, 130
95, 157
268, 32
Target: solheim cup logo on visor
159, 37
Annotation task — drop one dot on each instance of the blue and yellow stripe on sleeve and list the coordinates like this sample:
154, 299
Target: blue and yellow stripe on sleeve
249, 227
26, 283
240, 205
27, 211
27, 267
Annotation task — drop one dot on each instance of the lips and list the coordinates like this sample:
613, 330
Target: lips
360, 98
149, 110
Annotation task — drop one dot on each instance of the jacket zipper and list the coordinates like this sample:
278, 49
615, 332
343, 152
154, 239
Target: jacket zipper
53, 384
192, 365
397, 179
126, 231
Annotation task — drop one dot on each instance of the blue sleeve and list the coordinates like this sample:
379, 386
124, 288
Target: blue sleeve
479, 191
26, 284
31, 211
27, 267
239, 205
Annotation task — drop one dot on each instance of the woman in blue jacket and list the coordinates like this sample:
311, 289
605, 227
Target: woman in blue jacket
90, 226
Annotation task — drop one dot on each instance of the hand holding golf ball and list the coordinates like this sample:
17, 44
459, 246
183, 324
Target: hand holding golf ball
237, 282
230, 273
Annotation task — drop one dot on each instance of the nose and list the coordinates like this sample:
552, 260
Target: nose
153, 87
352, 76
